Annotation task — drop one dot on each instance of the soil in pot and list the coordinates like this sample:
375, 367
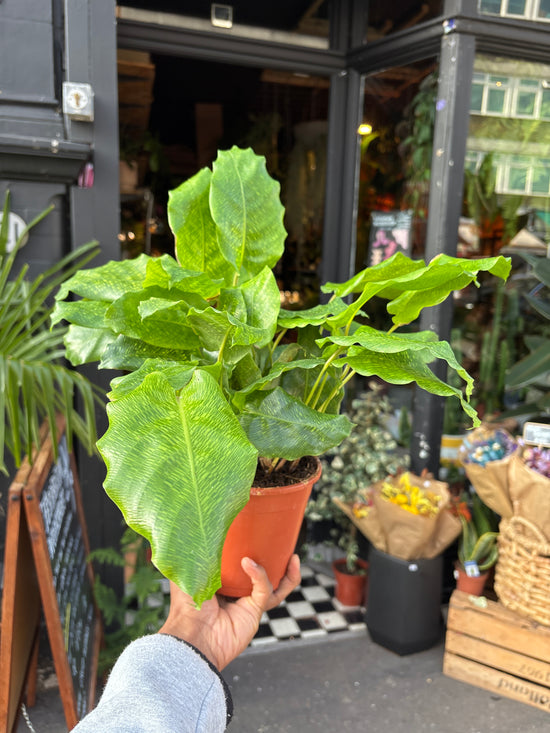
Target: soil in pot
351, 587
266, 530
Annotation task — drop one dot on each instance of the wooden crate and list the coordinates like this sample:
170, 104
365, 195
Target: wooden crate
497, 650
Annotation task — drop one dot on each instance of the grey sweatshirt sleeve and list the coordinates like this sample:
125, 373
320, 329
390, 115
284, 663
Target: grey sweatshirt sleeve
160, 684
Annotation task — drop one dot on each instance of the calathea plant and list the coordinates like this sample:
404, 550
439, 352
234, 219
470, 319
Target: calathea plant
222, 379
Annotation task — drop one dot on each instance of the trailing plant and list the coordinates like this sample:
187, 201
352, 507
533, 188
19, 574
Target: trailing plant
222, 380
34, 382
368, 454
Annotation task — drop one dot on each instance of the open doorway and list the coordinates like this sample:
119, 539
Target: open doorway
175, 113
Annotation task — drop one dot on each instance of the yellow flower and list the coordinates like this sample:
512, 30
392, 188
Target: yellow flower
410, 497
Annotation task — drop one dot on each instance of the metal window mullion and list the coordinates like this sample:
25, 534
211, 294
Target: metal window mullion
538, 101
445, 204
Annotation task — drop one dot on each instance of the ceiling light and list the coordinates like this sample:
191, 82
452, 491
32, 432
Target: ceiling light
364, 129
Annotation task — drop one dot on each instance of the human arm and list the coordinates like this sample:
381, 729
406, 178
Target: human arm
170, 681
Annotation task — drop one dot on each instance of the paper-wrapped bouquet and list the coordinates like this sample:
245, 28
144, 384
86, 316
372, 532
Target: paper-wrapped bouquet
406, 516
510, 476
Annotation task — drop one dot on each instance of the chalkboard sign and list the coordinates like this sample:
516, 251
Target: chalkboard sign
52, 504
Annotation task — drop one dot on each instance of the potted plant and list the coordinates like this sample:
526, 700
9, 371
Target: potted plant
477, 546
36, 384
225, 389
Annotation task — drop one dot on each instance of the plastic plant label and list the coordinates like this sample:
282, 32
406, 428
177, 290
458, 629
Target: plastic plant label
472, 569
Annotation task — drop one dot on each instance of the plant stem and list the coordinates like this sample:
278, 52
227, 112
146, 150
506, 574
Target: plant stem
335, 391
322, 373
277, 340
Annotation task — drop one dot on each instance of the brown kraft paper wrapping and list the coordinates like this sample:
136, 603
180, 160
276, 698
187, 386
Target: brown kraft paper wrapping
530, 494
491, 483
405, 535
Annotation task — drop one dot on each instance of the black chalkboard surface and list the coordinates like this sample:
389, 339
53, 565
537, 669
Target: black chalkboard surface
73, 588
54, 519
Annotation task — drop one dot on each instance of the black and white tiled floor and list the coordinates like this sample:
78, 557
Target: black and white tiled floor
310, 611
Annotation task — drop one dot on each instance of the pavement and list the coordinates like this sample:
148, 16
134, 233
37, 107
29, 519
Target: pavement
344, 682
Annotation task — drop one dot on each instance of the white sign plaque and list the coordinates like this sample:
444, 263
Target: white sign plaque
16, 226
536, 433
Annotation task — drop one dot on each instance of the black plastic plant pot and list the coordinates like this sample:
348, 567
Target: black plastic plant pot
404, 604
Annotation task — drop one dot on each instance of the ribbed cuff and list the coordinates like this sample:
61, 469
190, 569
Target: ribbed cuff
226, 691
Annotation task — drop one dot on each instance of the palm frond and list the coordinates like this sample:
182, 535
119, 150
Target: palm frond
35, 383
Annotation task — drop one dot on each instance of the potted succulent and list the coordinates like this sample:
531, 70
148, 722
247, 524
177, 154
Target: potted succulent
225, 389
36, 384
477, 546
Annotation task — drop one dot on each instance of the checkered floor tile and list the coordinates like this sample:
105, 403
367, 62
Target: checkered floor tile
310, 611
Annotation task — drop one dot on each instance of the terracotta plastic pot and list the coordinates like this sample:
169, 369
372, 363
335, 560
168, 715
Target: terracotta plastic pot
351, 590
266, 530
474, 586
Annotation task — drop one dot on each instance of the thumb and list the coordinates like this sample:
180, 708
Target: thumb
261, 586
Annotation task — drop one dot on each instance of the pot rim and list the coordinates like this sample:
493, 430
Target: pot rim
289, 488
363, 564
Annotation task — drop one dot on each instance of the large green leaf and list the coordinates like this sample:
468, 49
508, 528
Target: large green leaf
540, 267
316, 316
160, 327
176, 373
192, 450
534, 366
245, 205
129, 354
165, 272
540, 304
283, 427
277, 370
256, 305
424, 343
403, 368
411, 286
84, 345
107, 282
385, 272
191, 222
87, 313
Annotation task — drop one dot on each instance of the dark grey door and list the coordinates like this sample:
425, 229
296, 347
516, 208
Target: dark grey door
45, 149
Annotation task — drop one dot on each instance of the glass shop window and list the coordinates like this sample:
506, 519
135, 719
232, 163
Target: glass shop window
507, 186
525, 9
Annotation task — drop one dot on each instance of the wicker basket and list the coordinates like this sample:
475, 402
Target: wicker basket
522, 573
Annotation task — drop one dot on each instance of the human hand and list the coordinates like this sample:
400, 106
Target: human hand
221, 629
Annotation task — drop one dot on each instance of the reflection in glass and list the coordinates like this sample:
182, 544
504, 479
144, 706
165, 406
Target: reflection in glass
396, 157
509, 130
385, 19
533, 10
516, 7
490, 6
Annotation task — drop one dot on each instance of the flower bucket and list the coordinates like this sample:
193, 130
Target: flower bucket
266, 530
404, 604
